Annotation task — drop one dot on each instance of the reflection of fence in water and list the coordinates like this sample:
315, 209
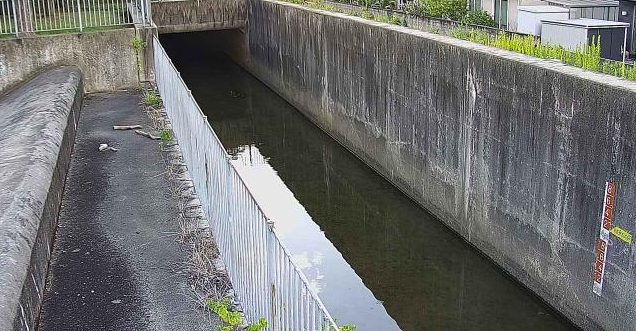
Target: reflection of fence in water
248, 155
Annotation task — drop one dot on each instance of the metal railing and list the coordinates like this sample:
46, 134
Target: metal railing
24, 17
267, 282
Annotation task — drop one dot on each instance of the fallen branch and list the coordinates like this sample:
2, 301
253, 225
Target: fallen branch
126, 127
146, 134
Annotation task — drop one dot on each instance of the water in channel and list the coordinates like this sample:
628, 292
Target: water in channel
376, 259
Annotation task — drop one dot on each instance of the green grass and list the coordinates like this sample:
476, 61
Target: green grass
166, 135
232, 320
152, 99
588, 58
68, 22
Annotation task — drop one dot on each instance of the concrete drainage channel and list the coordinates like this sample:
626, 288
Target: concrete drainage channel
39, 121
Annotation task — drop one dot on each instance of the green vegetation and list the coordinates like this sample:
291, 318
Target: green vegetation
151, 99
166, 135
365, 13
379, 4
588, 58
454, 10
232, 320
478, 17
348, 327
138, 45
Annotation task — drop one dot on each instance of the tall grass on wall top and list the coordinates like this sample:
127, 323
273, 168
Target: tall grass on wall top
586, 57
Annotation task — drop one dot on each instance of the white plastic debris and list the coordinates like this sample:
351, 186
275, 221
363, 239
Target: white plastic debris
105, 147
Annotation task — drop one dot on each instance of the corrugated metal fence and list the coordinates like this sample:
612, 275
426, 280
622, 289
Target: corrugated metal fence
263, 275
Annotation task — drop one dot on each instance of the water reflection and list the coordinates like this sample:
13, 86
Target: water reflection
375, 257
327, 271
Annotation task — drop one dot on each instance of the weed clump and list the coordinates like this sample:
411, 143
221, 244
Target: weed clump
232, 320
151, 99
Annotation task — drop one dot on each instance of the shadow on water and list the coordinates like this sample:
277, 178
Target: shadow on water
375, 257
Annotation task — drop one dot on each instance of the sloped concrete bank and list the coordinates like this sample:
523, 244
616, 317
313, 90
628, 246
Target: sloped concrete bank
38, 121
511, 152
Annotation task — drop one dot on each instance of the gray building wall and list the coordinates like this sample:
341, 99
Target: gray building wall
509, 151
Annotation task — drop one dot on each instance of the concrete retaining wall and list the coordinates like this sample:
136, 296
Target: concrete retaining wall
511, 152
106, 58
198, 15
38, 121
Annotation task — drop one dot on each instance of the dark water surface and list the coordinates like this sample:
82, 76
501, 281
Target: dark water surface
375, 258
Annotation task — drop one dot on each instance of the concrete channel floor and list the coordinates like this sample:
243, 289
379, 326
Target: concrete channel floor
116, 263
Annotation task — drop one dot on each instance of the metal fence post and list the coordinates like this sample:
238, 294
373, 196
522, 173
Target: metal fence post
148, 12
271, 271
143, 10
15, 18
79, 14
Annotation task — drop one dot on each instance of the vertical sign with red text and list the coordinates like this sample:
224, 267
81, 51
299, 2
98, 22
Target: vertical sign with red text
601, 243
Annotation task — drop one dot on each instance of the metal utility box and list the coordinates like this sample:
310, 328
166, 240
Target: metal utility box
580, 32
529, 17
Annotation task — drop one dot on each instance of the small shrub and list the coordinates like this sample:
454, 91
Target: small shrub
415, 8
448, 9
232, 320
222, 309
137, 44
367, 15
479, 17
348, 327
258, 326
152, 100
166, 135
384, 4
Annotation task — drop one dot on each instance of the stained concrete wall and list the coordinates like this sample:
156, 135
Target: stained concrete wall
198, 15
38, 121
106, 58
509, 151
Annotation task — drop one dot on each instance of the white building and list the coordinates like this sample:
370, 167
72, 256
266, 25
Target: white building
505, 12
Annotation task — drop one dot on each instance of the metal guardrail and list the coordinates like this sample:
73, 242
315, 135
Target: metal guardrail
20, 17
267, 281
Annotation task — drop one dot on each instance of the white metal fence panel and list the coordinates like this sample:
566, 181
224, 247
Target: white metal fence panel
35, 16
263, 275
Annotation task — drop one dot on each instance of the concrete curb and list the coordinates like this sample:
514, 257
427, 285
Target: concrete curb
38, 121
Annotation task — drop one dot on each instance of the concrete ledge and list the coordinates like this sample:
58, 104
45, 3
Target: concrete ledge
38, 121
185, 16
201, 27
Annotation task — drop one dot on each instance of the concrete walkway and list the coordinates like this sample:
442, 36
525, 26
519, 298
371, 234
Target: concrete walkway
116, 264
